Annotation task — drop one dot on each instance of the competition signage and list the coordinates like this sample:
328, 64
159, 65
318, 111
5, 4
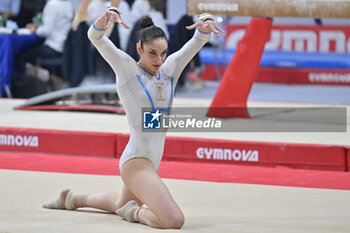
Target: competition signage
19, 140
272, 8
112, 145
298, 38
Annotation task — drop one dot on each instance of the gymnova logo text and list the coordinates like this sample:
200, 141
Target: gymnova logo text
222, 6
329, 77
19, 140
227, 154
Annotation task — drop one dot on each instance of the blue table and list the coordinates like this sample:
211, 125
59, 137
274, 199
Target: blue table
10, 46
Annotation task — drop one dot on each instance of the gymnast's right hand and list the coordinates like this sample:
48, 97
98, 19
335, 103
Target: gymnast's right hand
112, 14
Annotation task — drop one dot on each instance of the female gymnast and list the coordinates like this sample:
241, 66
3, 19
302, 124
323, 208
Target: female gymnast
150, 82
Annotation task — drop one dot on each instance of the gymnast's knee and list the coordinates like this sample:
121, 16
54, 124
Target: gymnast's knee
175, 220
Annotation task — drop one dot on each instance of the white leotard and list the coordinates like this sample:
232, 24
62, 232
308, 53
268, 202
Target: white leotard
137, 89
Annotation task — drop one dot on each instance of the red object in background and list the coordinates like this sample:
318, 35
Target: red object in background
204, 150
290, 75
121, 142
82, 108
295, 155
332, 39
240, 74
304, 76
348, 158
57, 141
227, 173
298, 38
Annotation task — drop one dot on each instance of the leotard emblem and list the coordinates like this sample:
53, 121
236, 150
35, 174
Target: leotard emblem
159, 88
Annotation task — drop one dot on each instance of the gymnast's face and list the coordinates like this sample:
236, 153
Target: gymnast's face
152, 55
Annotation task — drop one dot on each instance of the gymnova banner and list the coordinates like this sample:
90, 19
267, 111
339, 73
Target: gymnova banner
325, 39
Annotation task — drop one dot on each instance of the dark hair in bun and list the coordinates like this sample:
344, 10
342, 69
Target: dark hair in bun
149, 32
146, 22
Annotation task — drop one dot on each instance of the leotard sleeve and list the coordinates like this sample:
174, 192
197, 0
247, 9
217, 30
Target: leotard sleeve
120, 62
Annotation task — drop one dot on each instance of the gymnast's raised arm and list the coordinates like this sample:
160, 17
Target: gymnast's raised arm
176, 62
114, 56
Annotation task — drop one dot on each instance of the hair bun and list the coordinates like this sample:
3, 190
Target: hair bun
146, 22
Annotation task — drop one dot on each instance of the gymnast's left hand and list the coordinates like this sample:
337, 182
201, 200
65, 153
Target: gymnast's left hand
208, 25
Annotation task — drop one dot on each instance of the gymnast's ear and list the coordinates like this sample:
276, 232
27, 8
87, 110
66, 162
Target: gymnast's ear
139, 48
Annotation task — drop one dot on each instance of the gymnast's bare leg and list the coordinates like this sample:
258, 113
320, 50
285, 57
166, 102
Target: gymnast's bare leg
162, 211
